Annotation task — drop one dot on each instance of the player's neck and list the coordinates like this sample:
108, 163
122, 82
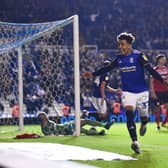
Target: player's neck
161, 65
129, 51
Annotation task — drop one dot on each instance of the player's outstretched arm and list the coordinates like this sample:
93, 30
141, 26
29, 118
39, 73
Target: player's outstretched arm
106, 69
101, 71
144, 61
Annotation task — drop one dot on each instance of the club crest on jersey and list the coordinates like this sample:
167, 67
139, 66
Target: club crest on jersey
131, 60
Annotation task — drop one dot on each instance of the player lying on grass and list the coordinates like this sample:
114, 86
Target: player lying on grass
49, 127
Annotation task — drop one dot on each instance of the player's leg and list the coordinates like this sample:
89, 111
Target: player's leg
100, 108
92, 131
157, 112
103, 115
96, 105
102, 111
143, 108
157, 115
94, 123
154, 107
166, 118
163, 97
129, 104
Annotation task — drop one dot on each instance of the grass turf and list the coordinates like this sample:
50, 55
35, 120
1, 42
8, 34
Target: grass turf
154, 145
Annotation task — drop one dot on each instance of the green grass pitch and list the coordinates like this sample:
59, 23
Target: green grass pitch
154, 145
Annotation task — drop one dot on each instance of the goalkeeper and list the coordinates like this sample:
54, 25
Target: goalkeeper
49, 127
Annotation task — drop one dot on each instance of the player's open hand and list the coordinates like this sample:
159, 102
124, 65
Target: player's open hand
87, 75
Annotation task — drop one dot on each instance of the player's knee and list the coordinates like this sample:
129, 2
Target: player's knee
130, 118
144, 119
129, 108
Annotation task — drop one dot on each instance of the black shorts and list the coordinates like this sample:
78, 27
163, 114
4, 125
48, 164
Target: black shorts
162, 97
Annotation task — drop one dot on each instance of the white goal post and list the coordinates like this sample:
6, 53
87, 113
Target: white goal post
77, 73
18, 35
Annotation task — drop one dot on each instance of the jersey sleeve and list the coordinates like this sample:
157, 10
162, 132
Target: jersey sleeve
145, 62
143, 59
106, 69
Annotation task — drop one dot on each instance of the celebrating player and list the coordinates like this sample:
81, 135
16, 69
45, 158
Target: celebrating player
49, 127
135, 91
100, 85
98, 98
159, 92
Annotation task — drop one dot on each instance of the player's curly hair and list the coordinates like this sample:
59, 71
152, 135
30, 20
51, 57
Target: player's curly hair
126, 36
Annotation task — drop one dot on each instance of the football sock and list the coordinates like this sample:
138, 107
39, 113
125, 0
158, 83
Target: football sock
166, 118
157, 115
131, 125
144, 120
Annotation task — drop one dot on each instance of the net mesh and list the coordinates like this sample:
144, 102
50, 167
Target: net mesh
48, 68
14, 35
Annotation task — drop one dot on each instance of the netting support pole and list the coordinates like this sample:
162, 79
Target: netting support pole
76, 73
20, 78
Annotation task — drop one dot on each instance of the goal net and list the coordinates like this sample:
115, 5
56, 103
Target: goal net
39, 65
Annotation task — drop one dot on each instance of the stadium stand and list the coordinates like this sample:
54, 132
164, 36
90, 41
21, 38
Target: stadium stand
109, 18
99, 25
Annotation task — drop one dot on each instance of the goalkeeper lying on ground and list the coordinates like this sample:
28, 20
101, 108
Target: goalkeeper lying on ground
49, 127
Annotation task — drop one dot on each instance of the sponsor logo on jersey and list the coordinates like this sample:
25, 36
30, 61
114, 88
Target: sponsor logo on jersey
128, 69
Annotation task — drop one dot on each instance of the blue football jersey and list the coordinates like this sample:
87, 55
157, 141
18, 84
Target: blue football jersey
132, 73
97, 84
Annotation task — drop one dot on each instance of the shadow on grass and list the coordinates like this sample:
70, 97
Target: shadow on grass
165, 131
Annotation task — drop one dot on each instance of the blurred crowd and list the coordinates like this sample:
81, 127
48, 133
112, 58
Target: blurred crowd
100, 21
48, 75
48, 61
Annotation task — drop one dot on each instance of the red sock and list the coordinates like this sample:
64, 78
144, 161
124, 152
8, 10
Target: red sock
166, 118
157, 114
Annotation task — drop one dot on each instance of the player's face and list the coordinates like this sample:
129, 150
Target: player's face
162, 60
124, 47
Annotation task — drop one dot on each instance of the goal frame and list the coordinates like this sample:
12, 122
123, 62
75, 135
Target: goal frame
71, 20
